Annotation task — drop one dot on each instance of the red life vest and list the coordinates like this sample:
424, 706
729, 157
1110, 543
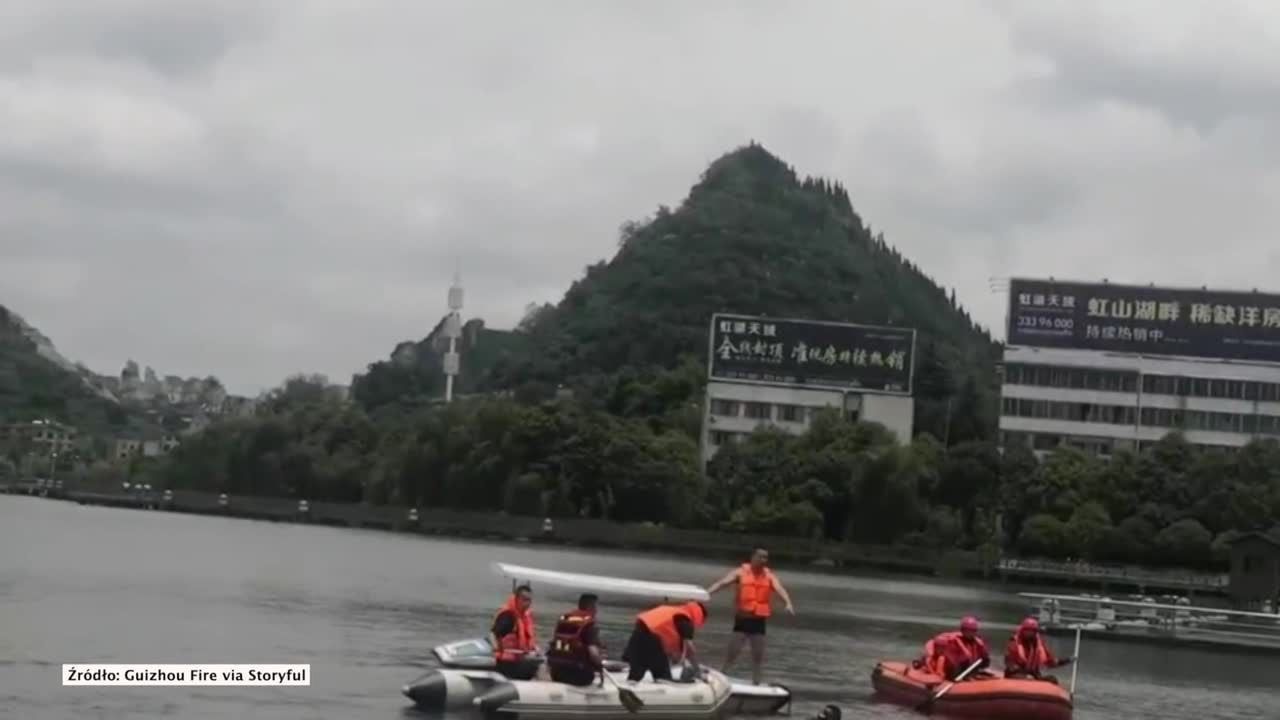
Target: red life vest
1017, 658
513, 646
935, 652
754, 592
949, 651
568, 648
661, 621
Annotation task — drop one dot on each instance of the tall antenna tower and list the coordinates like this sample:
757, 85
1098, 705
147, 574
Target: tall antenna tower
453, 331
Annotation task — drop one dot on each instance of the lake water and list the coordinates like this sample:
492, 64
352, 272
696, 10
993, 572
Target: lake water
83, 584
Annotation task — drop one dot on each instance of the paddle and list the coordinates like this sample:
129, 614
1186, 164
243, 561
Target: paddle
630, 700
1075, 663
927, 705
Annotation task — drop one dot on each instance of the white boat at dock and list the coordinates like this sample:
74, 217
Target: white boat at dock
1173, 621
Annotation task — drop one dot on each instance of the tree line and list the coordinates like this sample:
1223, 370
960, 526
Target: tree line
613, 458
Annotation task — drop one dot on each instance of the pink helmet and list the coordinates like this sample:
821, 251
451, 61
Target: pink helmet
969, 623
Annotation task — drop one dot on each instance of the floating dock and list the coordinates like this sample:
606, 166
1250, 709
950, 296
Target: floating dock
1143, 619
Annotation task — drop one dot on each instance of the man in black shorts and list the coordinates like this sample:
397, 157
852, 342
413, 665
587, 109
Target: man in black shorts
752, 608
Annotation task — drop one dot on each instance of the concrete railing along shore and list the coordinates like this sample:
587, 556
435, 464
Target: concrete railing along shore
604, 534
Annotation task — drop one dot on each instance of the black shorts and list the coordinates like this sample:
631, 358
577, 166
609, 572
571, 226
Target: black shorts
644, 653
525, 669
749, 625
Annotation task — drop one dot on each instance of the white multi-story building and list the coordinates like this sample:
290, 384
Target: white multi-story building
1101, 401
781, 372
733, 411
1132, 395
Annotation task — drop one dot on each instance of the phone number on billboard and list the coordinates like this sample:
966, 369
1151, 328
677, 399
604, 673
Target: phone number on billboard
1045, 323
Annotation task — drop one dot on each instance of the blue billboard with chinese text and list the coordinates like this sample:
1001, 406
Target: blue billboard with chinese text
1218, 324
811, 354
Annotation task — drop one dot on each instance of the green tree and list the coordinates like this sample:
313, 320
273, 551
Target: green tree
1044, 535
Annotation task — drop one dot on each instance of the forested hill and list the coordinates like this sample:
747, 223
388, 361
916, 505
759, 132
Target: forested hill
36, 383
753, 237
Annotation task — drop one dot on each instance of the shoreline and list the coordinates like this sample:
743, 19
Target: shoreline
818, 556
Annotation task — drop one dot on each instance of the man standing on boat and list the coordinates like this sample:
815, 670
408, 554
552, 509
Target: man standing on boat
756, 585
661, 638
1027, 654
513, 639
576, 656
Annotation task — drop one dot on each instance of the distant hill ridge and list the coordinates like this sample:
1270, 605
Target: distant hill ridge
751, 237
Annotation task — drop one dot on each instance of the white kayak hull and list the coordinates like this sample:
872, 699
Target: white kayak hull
492, 694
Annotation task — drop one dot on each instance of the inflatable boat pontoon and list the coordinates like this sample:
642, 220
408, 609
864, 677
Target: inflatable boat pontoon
467, 679
991, 697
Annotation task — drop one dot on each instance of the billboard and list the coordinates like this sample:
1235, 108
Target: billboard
818, 355
1219, 324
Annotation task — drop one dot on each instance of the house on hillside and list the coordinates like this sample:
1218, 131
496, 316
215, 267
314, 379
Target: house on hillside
43, 437
1255, 571
148, 445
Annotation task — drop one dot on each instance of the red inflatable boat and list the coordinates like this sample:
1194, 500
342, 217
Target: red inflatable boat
989, 697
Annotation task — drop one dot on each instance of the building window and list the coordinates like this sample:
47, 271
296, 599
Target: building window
1069, 411
724, 408
791, 413
1043, 441
1210, 388
757, 411
720, 437
1072, 377
1269, 392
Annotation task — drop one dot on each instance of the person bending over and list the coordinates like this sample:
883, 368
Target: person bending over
663, 636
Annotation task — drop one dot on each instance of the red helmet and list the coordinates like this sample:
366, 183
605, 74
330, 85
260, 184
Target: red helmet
969, 623
1029, 626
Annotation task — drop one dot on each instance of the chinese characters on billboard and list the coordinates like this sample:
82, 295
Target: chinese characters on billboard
1149, 320
811, 354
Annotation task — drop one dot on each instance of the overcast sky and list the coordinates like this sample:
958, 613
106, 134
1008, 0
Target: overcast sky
250, 189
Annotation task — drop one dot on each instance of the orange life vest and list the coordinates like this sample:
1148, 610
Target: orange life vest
951, 647
661, 621
514, 645
935, 652
754, 592
1031, 662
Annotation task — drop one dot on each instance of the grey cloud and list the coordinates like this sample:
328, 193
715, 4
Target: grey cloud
1196, 87
177, 39
252, 189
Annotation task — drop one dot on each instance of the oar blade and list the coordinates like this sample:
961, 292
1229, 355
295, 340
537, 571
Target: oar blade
630, 700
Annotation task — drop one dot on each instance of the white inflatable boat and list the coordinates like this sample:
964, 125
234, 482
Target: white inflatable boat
467, 679
710, 696
467, 673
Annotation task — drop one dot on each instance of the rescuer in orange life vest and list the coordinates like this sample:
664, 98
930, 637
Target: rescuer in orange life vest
1027, 654
663, 636
576, 656
512, 637
951, 653
756, 585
